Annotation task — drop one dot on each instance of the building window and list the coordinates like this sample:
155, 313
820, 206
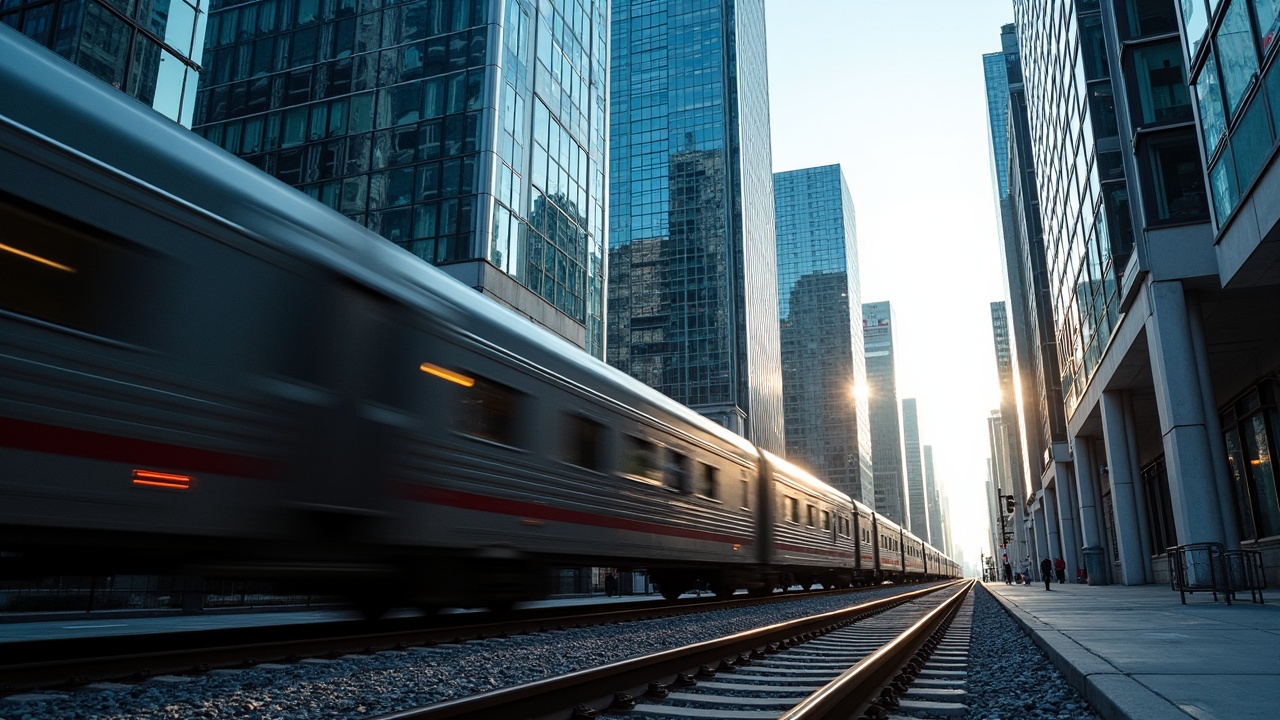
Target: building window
1213, 122
1177, 182
1267, 15
1195, 18
1222, 180
1236, 55
1161, 84
1151, 17
1159, 507
1251, 142
1249, 434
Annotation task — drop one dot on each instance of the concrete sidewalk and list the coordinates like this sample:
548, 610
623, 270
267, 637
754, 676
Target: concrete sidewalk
1136, 652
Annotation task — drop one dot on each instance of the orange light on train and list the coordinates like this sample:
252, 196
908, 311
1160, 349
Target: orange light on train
164, 480
443, 374
36, 258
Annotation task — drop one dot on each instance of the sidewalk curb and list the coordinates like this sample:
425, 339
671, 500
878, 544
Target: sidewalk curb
1111, 693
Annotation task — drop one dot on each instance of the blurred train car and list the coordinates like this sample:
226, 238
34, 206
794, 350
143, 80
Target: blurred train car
204, 371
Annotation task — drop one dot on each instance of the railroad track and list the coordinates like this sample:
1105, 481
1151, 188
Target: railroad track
39, 664
838, 664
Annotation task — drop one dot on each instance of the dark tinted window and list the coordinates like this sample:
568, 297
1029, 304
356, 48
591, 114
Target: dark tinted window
489, 412
62, 271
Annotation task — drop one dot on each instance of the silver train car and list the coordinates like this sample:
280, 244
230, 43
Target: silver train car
204, 371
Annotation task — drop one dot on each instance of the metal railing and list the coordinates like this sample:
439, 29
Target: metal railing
1210, 567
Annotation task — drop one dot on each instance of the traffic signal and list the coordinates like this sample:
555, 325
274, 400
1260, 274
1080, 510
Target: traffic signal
1009, 504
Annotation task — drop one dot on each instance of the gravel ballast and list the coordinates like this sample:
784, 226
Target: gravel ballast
358, 686
1009, 677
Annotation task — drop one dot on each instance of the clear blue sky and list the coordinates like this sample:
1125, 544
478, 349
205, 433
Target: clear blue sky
894, 93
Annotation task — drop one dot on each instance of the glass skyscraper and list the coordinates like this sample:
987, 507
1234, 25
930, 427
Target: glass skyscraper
819, 299
882, 406
470, 132
693, 304
917, 497
149, 49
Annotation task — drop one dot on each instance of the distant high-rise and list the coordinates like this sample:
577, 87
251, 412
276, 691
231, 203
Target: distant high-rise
933, 495
917, 498
470, 133
693, 295
882, 404
819, 298
148, 50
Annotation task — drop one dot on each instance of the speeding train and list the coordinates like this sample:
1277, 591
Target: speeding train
204, 371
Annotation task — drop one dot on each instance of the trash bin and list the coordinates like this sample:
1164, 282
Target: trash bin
1095, 565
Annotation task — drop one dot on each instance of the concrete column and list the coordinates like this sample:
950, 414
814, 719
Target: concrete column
1086, 467
1051, 522
1121, 477
1213, 426
1042, 536
1068, 516
1139, 493
1192, 486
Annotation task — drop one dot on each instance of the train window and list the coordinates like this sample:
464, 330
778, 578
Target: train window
59, 270
488, 411
746, 494
584, 440
826, 520
677, 471
640, 460
812, 519
793, 509
708, 481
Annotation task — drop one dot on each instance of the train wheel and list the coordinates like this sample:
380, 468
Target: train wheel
723, 591
670, 592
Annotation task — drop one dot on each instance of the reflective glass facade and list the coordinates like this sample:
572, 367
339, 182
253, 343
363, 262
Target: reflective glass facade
882, 406
693, 306
937, 536
917, 497
1083, 192
1235, 83
149, 49
819, 298
470, 132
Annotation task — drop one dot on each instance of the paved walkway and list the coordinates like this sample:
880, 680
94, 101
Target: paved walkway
1137, 653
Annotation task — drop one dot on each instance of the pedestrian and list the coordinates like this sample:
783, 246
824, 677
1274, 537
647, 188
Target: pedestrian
611, 585
1046, 571
1060, 568
1008, 570
1026, 572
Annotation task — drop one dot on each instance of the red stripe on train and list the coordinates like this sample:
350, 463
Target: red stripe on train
58, 440
518, 508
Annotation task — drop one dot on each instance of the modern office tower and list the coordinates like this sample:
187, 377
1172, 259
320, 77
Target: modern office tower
1227, 63
1011, 534
882, 404
693, 295
933, 496
471, 133
993, 525
1027, 332
819, 299
913, 463
148, 49
1125, 218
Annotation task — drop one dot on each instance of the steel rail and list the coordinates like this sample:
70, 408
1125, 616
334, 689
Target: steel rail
561, 694
849, 695
30, 664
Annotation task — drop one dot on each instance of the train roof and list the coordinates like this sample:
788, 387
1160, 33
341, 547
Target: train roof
51, 96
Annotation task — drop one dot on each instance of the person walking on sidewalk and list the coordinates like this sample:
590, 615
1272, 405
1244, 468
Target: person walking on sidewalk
1060, 569
1008, 570
1046, 572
